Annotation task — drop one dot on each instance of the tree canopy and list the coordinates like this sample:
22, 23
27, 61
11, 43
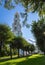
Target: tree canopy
33, 5
38, 29
5, 35
29, 6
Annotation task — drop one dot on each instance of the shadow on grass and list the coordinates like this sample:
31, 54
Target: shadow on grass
6, 59
28, 61
33, 61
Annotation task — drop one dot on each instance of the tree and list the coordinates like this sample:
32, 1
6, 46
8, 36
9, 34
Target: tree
25, 46
5, 35
17, 43
29, 5
20, 43
38, 29
32, 48
35, 4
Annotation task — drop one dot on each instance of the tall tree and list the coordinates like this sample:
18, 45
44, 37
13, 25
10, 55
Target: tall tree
17, 43
5, 35
31, 48
38, 29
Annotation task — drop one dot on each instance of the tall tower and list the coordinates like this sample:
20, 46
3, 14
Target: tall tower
16, 25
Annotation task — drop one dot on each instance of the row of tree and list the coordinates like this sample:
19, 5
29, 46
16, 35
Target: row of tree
21, 43
13, 42
5, 36
38, 28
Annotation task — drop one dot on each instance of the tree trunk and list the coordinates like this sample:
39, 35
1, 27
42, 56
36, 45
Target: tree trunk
31, 52
26, 53
44, 52
18, 53
23, 52
10, 52
44, 47
0, 50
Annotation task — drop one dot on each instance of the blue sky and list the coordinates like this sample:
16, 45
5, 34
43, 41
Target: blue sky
7, 17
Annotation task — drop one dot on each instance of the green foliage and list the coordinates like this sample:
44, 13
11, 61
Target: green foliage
17, 42
21, 43
38, 5
32, 47
29, 5
38, 29
8, 4
5, 35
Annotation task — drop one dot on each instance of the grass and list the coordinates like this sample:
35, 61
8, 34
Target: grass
30, 60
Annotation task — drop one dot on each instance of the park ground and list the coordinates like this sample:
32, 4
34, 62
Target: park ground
36, 59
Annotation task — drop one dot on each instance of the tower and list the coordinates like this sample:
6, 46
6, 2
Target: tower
16, 25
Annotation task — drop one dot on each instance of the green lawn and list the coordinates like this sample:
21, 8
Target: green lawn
30, 60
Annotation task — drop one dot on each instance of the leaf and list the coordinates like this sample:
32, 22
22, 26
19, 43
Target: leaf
28, 25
